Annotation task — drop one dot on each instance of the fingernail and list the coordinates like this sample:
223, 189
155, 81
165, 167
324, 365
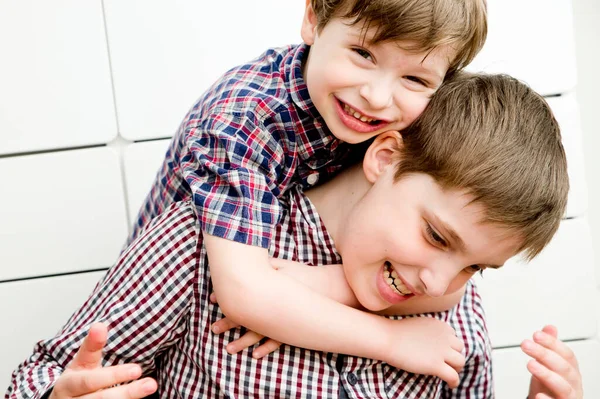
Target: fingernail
527, 344
216, 330
540, 335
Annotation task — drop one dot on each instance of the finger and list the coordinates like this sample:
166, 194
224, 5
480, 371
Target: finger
81, 382
551, 380
542, 396
249, 339
455, 360
552, 343
268, 347
213, 297
549, 358
457, 344
89, 354
223, 325
551, 330
449, 375
133, 390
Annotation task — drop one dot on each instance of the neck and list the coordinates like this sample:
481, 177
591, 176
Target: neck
335, 199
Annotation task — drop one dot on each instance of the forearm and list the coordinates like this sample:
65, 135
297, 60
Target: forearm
327, 280
275, 305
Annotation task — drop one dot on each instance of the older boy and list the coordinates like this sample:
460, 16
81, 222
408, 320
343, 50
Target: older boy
461, 191
287, 118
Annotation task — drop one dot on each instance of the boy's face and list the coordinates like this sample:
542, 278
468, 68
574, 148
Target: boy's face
361, 89
418, 237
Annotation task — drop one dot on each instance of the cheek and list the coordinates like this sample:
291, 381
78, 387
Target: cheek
413, 105
458, 282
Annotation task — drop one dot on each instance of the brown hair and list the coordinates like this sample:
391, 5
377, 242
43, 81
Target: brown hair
496, 138
428, 24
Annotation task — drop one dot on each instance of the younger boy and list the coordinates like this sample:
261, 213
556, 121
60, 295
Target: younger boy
461, 191
287, 118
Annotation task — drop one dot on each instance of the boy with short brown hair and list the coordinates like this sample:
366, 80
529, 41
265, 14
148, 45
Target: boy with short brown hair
410, 229
287, 118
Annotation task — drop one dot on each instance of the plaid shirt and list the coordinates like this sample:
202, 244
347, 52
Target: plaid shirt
156, 302
251, 136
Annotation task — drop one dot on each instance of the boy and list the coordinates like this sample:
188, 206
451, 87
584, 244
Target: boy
402, 214
289, 118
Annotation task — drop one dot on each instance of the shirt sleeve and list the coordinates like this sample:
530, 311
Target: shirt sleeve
150, 286
234, 167
476, 378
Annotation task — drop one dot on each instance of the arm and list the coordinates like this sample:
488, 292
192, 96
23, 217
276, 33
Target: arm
286, 310
118, 300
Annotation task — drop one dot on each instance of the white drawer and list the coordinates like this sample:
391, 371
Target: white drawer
557, 287
566, 111
534, 46
37, 309
55, 78
141, 162
178, 49
60, 212
512, 378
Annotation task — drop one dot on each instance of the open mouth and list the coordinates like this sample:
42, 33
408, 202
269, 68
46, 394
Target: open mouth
391, 277
358, 116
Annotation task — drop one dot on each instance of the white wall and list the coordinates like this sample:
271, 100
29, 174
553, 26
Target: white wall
88, 87
587, 35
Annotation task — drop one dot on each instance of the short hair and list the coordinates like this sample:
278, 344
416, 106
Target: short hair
495, 137
427, 24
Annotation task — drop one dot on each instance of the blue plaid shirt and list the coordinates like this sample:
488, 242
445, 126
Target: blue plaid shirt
249, 138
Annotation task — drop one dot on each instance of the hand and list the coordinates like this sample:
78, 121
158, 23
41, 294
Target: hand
424, 345
247, 340
554, 369
85, 376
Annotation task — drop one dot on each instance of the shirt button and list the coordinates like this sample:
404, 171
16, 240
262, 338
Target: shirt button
352, 379
312, 179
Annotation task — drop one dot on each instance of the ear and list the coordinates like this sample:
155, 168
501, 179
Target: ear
309, 25
380, 154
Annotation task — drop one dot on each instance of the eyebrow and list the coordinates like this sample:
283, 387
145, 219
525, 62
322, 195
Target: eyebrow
455, 238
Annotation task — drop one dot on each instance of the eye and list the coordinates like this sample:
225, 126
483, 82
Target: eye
416, 80
363, 53
435, 238
474, 269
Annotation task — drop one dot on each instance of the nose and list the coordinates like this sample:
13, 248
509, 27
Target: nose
378, 93
436, 280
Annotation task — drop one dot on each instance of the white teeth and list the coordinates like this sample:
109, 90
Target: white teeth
391, 277
357, 114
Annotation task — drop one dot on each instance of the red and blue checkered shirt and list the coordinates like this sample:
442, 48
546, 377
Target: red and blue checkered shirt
155, 301
250, 137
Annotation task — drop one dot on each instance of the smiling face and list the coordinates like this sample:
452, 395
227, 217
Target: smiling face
363, 89
410, 240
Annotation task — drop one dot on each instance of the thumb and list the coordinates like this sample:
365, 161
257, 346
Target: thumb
89, 354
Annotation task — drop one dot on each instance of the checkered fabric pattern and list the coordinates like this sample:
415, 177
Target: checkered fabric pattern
252, 135
156, 302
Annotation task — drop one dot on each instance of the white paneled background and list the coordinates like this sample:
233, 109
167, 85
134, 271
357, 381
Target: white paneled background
90, 92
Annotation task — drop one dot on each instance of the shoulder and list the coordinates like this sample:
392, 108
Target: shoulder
171, 240
257, 87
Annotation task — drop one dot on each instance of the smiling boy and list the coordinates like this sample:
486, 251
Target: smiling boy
472, 176
289, 117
